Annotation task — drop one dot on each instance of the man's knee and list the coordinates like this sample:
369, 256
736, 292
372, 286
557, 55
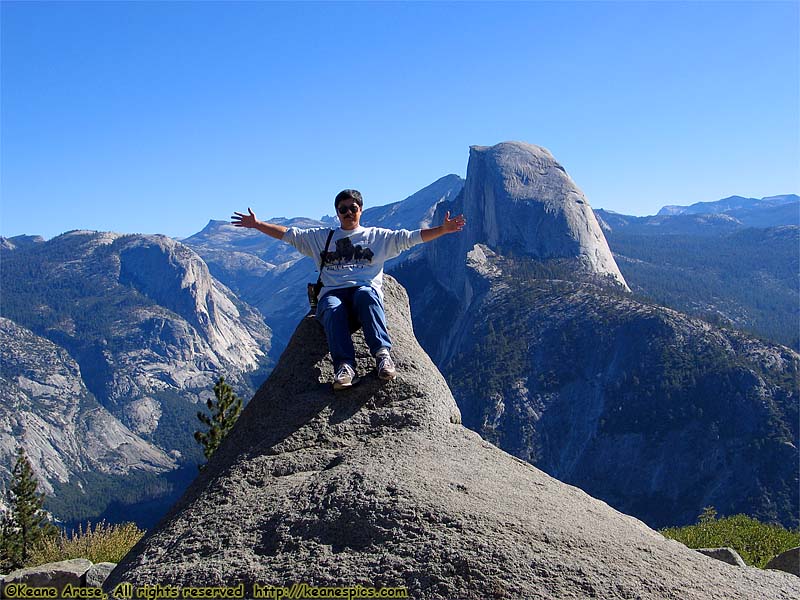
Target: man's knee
366, 295
327, 306
328, 301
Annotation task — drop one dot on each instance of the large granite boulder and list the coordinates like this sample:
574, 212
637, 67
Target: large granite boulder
788, 561
69, 574
382, 486
726, 555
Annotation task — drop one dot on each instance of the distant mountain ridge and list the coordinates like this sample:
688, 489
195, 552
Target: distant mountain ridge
731, 203
742, 277
690, 224
733, 262
708, 218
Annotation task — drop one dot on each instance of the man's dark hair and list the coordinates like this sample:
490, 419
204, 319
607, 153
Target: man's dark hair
353, 195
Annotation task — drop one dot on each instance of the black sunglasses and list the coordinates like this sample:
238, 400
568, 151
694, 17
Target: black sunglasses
352, 208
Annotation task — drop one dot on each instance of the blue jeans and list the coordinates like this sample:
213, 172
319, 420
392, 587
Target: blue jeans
342, 311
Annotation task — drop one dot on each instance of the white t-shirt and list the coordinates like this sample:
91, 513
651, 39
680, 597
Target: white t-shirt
355, 256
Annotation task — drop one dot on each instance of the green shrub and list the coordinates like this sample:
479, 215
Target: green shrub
104, 543
757, 543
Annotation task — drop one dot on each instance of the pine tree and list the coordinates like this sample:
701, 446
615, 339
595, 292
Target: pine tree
25, 524
225, 410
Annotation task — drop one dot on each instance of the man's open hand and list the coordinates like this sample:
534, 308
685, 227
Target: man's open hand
452, 225
242, 220
448, 226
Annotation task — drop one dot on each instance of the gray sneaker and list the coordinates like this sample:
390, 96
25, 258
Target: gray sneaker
345, 377
386, 370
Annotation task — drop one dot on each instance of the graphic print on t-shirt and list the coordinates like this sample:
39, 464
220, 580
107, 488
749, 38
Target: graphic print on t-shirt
347, 256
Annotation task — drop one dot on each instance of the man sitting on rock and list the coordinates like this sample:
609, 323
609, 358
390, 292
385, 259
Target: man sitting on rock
352, 274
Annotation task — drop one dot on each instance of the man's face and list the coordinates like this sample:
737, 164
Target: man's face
349, 213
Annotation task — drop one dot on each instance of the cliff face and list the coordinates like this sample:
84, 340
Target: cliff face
226, 332
518, 199
46, 409
149, 331
140, 314
381, 486
264, 272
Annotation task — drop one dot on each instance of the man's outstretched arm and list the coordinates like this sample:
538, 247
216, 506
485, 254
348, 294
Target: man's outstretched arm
448, 226
249, 221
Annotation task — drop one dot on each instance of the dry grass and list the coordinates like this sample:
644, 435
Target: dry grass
104, 543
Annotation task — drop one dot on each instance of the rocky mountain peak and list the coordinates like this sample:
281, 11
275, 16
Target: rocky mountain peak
519, 200
174, 276
168, 272
417, 210
20, 241
381, 486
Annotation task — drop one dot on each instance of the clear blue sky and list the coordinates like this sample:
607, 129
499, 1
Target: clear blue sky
156, 117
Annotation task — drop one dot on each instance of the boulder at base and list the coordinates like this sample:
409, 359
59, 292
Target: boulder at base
788, 561
726, 555
50, 575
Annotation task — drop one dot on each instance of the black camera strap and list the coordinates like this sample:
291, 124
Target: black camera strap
322, 256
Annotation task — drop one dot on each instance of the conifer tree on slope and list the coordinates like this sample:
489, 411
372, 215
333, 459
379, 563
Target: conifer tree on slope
25, 524
225, 411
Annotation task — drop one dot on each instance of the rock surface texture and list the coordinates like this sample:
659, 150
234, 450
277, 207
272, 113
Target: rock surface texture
98, 573
382, 486
67, 576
